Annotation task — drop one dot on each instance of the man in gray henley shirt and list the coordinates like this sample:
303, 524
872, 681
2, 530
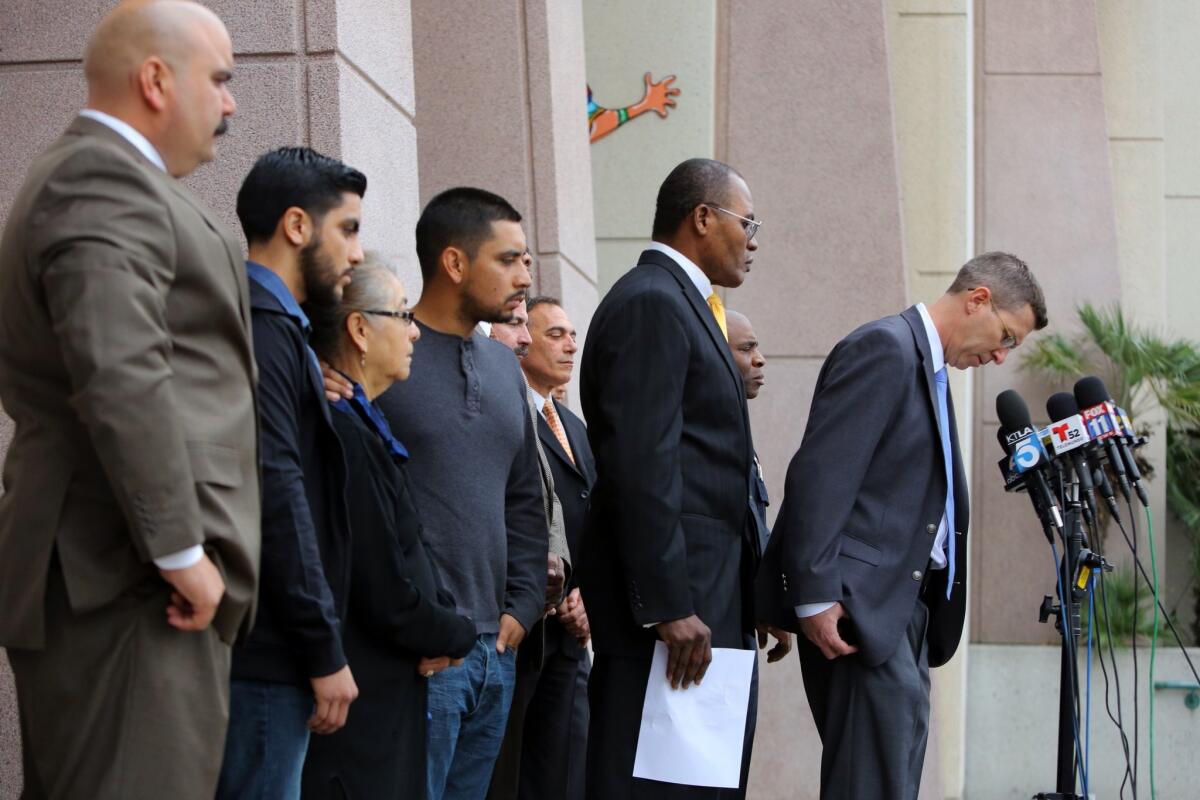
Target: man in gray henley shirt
474, 472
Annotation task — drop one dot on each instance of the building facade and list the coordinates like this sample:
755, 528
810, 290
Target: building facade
885, 142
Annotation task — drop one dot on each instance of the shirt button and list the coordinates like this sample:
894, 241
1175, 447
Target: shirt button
583, 495
931, 529
916, 576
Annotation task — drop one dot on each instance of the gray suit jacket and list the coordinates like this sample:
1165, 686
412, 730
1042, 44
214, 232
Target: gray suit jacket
554, 512
125, 361
864, 495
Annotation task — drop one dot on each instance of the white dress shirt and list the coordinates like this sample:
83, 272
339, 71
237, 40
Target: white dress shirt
937, 555
539, 402
193, 554
699, 279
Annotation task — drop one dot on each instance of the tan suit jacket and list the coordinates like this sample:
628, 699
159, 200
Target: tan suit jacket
125, 361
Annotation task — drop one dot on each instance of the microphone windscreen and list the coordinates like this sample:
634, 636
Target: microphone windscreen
1061, 405
1012, 411
1090, 391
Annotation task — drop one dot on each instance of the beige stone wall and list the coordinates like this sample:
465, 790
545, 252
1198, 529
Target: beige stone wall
1044, 191
501, 87
625, 39
930, 47
804, 110
1179, 20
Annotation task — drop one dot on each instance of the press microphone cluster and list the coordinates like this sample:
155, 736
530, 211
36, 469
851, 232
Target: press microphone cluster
1088, 430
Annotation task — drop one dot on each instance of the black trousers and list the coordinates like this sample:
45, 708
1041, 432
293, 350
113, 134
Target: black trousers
873, 721
616, 691
546, 737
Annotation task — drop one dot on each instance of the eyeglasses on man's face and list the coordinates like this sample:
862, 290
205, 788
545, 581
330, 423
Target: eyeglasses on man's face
1009, 342
750, 226
405, 316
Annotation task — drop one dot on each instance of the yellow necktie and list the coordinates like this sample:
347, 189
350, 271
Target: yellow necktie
718, 310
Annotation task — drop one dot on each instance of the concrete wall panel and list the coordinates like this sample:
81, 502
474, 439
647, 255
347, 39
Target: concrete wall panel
382, 142
779, 413
1013, 726
1048, 197
1183, 277
1011, 564
1031, 37
500, 91
625, 39
375, 36
54, 30
48, 100
561, 155
810, 127
270, 114
1181, 105
473, 127
929, 80
58, 30
260, 26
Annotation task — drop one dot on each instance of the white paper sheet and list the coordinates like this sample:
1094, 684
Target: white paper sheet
694, 736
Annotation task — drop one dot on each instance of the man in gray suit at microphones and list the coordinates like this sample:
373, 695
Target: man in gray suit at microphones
129, 535
867, 559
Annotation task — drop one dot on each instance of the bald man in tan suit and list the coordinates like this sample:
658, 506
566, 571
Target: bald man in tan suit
129, 534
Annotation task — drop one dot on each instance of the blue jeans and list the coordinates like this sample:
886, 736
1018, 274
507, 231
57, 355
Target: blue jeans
468, 711
267, 740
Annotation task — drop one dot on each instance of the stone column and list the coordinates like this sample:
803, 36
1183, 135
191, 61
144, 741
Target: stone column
334, 74
804, 111
501, 88
1045, 193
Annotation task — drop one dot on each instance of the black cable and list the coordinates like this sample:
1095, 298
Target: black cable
1167, 617
1118, 720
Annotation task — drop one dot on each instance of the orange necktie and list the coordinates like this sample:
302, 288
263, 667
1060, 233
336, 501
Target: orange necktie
556, 426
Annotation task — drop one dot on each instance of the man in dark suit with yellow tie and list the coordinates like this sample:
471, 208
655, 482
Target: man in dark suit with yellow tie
670, 546
129, 536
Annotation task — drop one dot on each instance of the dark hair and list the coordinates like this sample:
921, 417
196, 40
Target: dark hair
460, 217
692, 183
1010, 281
541, 300
288, 177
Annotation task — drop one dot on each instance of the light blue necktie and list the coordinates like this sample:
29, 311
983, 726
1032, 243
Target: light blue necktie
943, 390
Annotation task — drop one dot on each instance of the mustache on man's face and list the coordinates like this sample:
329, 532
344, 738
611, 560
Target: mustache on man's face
223, 127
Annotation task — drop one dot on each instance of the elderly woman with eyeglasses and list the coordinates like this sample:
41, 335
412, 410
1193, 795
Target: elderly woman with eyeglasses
401, 626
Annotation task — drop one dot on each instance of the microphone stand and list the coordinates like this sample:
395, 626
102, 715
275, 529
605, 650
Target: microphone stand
1075, 567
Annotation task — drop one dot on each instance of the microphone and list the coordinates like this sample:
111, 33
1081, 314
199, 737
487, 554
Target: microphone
1068, 435
1029, 456
1103, 423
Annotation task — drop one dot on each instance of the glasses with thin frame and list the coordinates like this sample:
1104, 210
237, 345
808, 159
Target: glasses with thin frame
1009, 342
405, 316
750, 226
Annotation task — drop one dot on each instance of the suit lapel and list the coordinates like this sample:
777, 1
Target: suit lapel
234, 260
913, 318
576, 433
700, 306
